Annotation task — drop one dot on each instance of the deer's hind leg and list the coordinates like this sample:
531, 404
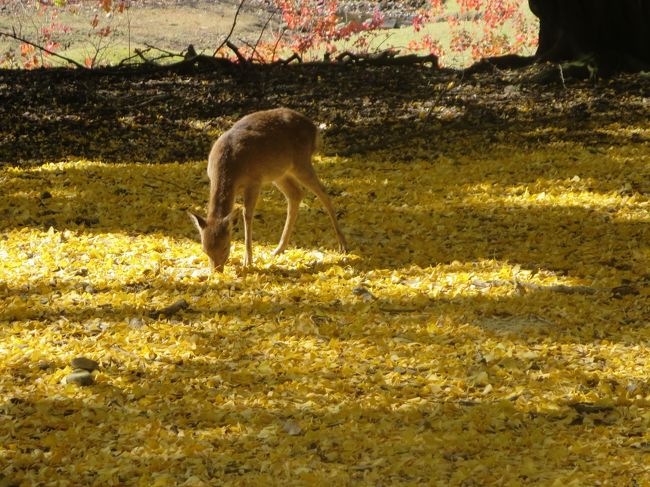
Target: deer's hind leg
294, 194
306, 175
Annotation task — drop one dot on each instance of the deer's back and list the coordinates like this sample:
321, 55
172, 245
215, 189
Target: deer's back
263, 146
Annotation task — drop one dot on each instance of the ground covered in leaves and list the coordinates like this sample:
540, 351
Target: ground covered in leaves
488, 327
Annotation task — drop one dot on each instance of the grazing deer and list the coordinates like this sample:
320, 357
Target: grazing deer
272, 146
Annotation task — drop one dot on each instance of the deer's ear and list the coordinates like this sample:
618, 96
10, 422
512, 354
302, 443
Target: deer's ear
198, 221
233, 215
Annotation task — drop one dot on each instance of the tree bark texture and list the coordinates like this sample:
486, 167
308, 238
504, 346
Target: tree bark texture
615, 33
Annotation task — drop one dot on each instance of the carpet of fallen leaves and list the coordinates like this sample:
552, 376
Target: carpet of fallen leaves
490, 325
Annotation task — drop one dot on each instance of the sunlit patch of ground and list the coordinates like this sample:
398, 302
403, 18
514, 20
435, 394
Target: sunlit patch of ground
489, 325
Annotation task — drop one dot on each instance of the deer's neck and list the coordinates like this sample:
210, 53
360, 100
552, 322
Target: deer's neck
222, 197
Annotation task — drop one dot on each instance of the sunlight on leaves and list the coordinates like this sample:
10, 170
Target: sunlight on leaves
489, 326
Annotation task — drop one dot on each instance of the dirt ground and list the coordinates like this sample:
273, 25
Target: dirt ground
201, 23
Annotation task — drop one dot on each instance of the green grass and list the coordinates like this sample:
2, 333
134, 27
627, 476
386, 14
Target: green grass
174, 28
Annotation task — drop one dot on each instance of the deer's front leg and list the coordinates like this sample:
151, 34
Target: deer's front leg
250, 200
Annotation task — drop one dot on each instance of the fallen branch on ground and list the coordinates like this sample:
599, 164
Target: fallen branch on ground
616, 292
388, 57
523, 286
240, 57
383, 58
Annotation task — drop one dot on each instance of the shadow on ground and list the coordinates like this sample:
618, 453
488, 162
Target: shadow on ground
140, 116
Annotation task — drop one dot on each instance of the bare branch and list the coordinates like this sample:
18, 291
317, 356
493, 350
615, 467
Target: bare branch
268, 21
277, 42
42, 49
138, 54
232, 29
240, 57
253, 53
442, 93
174, 54
289, 60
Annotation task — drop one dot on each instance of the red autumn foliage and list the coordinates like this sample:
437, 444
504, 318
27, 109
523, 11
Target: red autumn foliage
313, 27
313, 24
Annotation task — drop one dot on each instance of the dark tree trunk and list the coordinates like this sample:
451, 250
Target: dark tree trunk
614, 34
602, 35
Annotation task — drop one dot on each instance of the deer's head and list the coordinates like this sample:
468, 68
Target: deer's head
215, 236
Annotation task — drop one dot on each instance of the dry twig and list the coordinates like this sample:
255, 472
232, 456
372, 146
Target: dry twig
232, 28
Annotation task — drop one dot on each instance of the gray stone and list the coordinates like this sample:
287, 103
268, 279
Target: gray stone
84, 364
136, 323
292, 428
79, 377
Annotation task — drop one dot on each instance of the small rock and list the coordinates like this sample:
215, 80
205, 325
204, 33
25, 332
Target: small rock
292, 428
136, 323
79, 377
363, 293
359, 290
86, 221
625, 290
170, 310
84, 363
